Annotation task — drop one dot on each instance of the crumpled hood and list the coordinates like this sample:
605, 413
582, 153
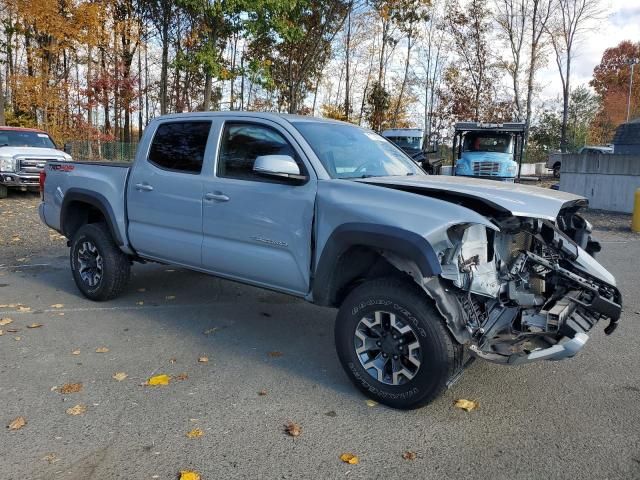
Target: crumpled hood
517, 199
33, 152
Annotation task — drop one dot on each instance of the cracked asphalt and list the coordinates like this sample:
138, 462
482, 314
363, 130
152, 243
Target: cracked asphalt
573, 419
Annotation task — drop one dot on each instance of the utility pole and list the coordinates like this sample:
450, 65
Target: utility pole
633, 64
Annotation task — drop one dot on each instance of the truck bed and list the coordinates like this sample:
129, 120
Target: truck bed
69, 180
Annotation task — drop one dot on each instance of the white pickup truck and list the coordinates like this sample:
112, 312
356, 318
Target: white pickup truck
422, 268
24, 153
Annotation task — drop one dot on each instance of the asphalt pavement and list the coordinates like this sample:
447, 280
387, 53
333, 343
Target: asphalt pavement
271, 361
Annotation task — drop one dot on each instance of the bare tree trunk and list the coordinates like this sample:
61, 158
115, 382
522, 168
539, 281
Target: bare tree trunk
347, 106
2, 119
164, 69
404, 80
207, 92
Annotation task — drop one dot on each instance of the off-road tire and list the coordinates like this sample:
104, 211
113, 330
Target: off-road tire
4, 191
441, 354
116, 266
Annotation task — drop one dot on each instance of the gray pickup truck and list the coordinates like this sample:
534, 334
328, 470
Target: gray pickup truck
428, 272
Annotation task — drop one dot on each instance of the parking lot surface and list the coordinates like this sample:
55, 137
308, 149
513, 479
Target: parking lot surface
271, 361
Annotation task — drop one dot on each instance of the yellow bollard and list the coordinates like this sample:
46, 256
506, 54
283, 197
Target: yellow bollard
635, 219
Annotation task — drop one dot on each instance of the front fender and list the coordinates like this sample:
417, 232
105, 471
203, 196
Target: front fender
404, 243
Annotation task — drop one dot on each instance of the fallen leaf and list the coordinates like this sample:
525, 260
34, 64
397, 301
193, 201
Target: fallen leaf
119, 376
51, 458
173, 360
195, 433
17, 339
13, 330
203, 359
371, 403
210, 331
293, 429
75, 352
170, 297
17, 424
70, 388
349, 458
275, 354
182, 376
189, 475
57, 305
24, 309
79, 409
467, 405
262, 393
331, 413
1, 333
408, 455
159, 380
102, 350
61, 314
34, 325
5, 321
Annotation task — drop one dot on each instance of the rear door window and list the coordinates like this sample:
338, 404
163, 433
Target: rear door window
180, 146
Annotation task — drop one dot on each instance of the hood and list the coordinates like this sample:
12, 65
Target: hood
34, 152
484, 196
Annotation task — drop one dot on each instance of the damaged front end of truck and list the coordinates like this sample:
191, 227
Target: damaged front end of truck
527, 290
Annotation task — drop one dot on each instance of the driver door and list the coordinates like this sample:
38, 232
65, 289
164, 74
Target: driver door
258, 229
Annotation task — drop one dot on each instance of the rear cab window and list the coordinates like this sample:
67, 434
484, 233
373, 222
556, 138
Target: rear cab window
180, 146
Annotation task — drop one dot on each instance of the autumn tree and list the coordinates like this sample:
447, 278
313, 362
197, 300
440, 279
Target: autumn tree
292, 43
611, 80
469, 26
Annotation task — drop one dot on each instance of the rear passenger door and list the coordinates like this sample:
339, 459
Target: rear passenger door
164, 196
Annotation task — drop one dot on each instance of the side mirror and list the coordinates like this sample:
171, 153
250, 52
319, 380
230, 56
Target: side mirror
281, 166
67, 148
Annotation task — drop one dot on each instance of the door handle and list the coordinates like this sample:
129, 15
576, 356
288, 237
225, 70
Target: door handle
144, 187
218, 196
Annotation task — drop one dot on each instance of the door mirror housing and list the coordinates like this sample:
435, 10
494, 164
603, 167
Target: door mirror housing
281, 166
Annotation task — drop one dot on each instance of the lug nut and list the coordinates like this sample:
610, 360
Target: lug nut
395, 357
378, 343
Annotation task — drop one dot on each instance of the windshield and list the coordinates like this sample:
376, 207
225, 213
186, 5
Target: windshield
407, 143
495, 142
18, 138
348, 151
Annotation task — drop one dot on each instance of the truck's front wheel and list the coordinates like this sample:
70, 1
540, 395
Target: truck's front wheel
100, 269
393, 344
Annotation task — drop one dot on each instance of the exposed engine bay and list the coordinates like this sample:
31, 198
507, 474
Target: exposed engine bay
528, 291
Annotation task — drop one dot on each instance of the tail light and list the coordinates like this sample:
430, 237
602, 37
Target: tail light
43, 177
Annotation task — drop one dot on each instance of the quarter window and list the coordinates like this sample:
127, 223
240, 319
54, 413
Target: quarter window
180, 146
242, 143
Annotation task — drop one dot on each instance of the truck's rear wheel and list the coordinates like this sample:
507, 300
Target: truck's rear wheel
100, 269
393, 344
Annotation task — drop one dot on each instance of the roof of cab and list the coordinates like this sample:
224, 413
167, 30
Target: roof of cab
291, 118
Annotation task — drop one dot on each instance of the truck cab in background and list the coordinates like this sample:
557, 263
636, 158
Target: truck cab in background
411, 141
488, 150
24, 153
